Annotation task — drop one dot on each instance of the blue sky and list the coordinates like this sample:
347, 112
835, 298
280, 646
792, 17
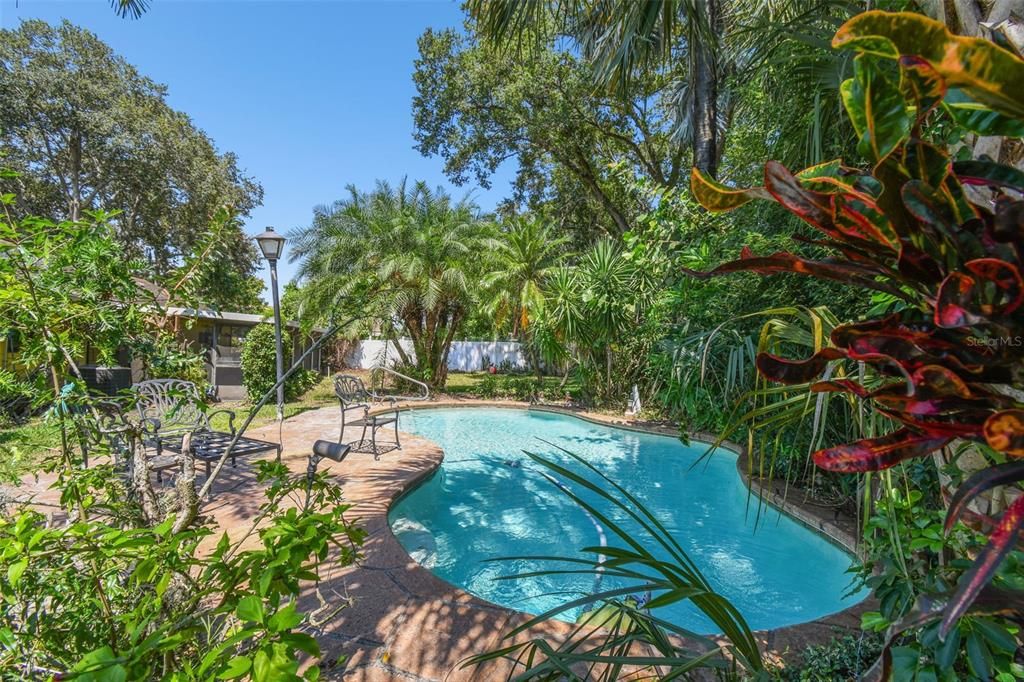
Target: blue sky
311, 96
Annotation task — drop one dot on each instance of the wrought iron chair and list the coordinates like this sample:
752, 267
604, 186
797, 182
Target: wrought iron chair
352, 395
170, 408
107, 432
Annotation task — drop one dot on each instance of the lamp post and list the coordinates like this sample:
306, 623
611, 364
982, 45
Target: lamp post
272, 244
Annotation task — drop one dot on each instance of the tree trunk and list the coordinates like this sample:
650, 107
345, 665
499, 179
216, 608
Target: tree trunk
442, 364
704, 115
398, 347
75, 150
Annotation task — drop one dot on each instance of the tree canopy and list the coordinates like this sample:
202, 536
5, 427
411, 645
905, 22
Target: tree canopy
477, 109
85, 130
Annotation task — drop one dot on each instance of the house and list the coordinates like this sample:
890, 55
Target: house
220, 335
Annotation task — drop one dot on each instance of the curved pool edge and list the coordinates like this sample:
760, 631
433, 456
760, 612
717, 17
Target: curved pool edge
780, 645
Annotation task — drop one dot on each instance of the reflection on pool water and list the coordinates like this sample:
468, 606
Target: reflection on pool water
489, 500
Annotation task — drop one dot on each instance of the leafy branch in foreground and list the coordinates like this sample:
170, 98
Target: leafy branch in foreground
121, 581
615, 636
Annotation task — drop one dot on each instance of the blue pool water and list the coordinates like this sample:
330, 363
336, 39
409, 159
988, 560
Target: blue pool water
489, 500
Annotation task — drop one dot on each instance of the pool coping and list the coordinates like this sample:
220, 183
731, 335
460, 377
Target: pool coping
780, 646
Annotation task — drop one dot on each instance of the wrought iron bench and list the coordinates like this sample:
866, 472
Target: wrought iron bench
352, 395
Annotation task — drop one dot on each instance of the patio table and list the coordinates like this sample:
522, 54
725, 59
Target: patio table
209, 447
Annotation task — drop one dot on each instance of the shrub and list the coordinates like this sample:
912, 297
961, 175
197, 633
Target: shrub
259, 367
520, 387
488, 388
843, 658
940, 239
169, 361
15, 399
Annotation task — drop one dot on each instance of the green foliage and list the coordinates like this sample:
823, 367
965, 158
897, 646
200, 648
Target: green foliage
61, 289
16, 398
475, 108
259, 366
908, 554
599, 316
87, 131
512, 386
126, 588
521, 258
918, 228
843, 658
103, 598
415, 252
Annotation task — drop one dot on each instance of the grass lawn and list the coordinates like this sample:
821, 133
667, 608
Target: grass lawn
467, 383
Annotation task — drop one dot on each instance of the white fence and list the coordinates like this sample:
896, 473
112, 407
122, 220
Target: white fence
464, 356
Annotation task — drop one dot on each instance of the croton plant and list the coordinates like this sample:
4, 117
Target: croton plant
937, 230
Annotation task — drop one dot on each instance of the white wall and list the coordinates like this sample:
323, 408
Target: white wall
370, 353
464, 356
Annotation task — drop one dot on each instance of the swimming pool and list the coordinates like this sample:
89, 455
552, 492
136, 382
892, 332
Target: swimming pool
489, 500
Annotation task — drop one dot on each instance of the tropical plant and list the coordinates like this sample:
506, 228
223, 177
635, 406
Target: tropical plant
596, 318
844, 657
102, 598
698, 55
940, 235
523, 256
906, 557
622, 40
124, 587
416, 252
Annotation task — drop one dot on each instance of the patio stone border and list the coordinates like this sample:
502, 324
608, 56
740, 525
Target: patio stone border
780, 645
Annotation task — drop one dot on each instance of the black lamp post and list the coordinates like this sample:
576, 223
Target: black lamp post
272, 245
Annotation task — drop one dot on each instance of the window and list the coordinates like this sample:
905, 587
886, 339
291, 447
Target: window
13, 341
229, 343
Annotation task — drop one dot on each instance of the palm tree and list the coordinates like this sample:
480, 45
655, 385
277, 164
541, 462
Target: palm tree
413, 251
621, 38
129, 8
699, 45
523, 257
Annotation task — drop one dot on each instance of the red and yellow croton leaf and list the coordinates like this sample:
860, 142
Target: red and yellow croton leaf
1000, 542
1004, 432
796, 371
717, 197
940, 366
979, 482
875, 454
982, 69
